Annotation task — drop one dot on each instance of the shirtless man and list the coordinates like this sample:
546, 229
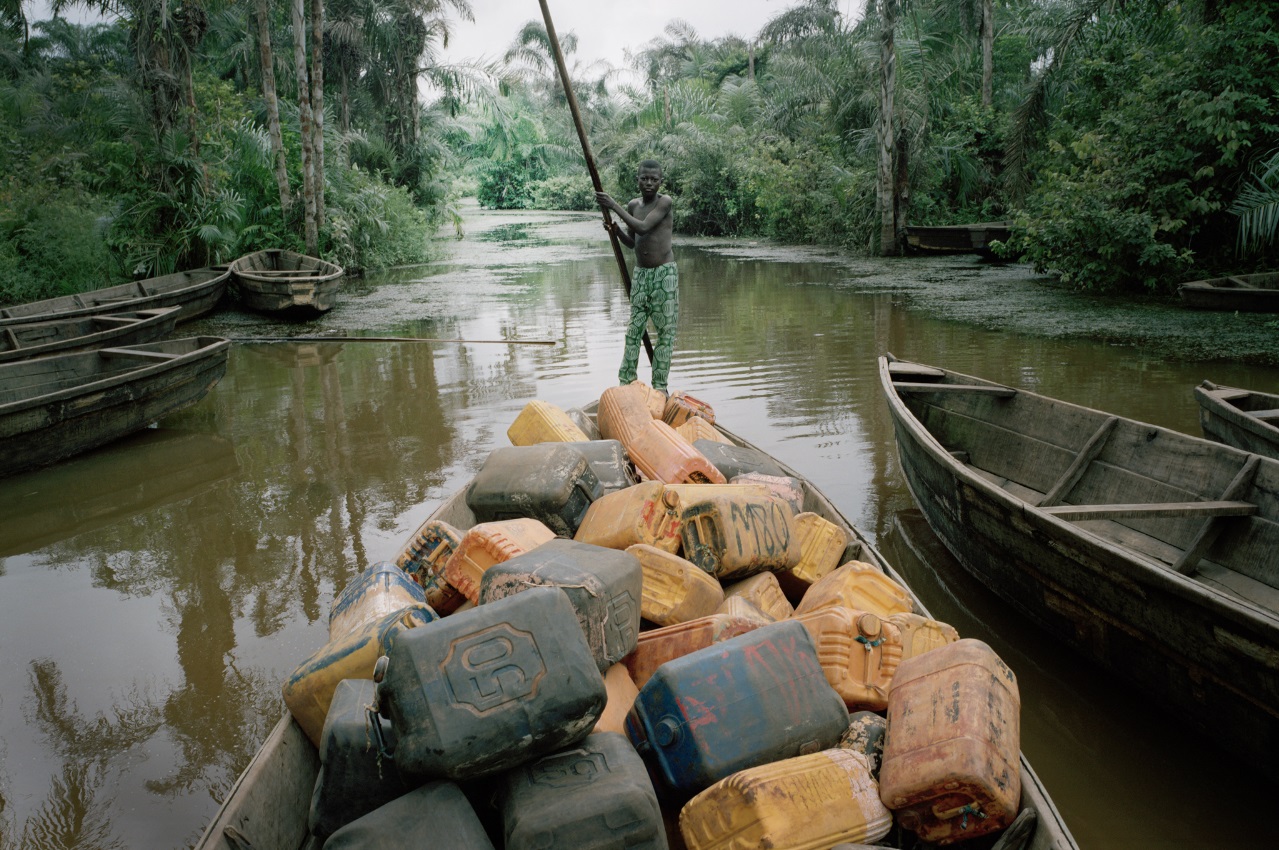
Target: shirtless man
655, 288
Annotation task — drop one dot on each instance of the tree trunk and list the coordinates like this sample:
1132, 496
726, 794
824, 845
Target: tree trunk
987, 53
304, 119
884, 129
344, 110
266, 60
317, 103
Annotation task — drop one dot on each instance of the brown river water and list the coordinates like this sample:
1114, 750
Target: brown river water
155, 595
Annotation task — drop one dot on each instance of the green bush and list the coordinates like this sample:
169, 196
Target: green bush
508, 184
51, 243
563, 192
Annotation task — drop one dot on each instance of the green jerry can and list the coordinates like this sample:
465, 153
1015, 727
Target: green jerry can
435, 815
548, 482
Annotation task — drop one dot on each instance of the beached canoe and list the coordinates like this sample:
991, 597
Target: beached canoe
279, 281
63, 336
54, 407
1255, 293
956, 238
197, 292
1152, 553
1245, 419
268, 806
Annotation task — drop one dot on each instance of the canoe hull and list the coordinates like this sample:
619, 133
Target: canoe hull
1249, 293
263, 282
1228, 424
197, 292
1212, 659
956, 239
98, 406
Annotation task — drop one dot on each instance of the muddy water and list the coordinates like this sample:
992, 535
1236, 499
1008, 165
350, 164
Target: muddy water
153, 596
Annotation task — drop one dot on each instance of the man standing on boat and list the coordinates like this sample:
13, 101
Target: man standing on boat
655, 288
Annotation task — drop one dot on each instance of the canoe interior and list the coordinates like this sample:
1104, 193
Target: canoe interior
1264, 280
290, 263
277, 784
26, 340
1034, 447
118, 296
32, 379
1247, 401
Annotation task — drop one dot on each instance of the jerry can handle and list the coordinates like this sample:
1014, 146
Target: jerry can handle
973, 809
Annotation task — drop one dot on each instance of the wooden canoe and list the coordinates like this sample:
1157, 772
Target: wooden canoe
1254, 293
62, 336
1245, 419
197, 292
54, 407
957, 238
280, 281
269, 804
1153, 553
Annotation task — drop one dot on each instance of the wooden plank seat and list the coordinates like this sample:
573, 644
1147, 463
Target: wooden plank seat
914, 370
116, 320
981, 389
1243, 284
1271, 415
138, 353
1156, 509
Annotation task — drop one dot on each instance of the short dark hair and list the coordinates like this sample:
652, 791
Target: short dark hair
650, 163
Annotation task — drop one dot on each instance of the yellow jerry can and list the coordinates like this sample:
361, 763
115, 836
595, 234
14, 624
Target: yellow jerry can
920, 634
675, 590
764, 592
858, 651
643, 513
621, 696
735, 537
743, 608
860, 586
491, 543
822, 544
696, 428
424, 557
543, 422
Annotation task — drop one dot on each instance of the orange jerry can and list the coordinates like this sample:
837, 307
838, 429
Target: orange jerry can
764, 592
822, 544
675, 590
952, 768
743, 608
543, 422
491, 543
382, 589
858, 651
736, 537
424, 558
697, 428
661, 455
920, 634
860, 586
642, 513
622, 411
812, 801
681, 407
658, 646
784, 487
308, 692
654, 400
621, 692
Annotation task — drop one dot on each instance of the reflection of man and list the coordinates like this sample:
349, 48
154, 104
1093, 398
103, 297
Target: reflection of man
655, 288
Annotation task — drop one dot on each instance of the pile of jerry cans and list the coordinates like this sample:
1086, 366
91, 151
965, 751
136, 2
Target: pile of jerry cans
633, 635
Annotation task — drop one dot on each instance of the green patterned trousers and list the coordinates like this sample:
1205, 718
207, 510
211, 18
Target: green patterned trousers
654, 295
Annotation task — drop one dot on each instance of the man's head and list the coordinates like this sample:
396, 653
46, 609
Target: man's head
650, 178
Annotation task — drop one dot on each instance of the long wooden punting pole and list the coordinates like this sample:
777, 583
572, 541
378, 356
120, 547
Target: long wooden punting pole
389, 339
590, 160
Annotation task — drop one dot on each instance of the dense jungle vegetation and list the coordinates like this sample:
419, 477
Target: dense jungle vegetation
1134, 143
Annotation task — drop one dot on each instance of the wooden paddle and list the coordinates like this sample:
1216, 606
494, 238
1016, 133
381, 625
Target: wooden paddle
590, 160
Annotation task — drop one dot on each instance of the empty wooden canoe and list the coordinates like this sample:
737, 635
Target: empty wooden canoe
956, 238
268, 806
62, 336
1153, 553
280, 281
1256, 293
1245, 419
197, 292
55, 407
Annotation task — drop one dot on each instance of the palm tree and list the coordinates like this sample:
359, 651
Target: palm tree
885, 132
310, 225
266, 58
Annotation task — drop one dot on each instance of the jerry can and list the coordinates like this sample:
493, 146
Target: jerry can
645, 513
654, 400
621, 696
696, 428
921, 634
435, 815
658, 646
680, 407
594, 795
733, 460
543, 422
382, 589
865, 735
584, 422
859, 652
693, 492
809, 801
952, 768
491, 543
790, 490
610, 463
756, 698
354, 778
622, 412
743, 608
424, 557
822, 544
660, 455
487, 689
733, 538
763, 591
308, 691
860, 586
604, 586
675, 590
549, 482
